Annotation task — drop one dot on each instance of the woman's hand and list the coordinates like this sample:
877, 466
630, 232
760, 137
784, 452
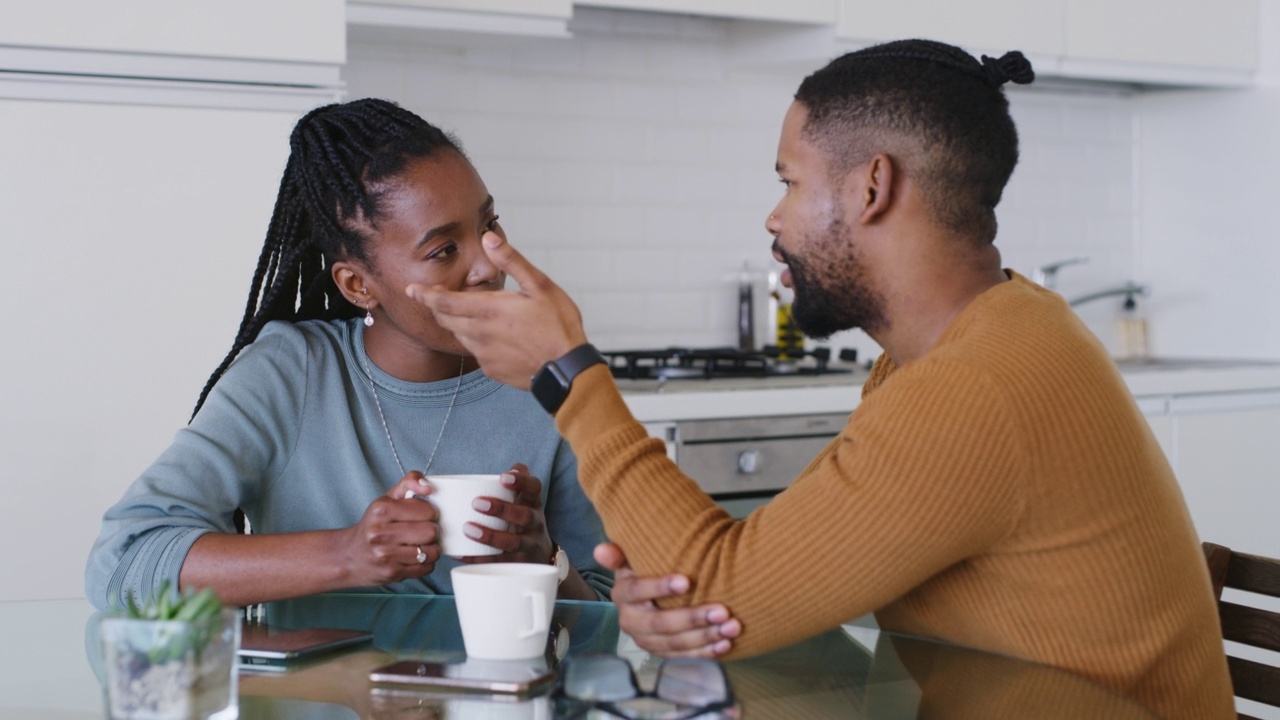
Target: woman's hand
701, 631
397, 529
527, 540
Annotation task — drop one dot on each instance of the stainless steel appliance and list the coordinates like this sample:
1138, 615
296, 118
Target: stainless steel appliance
742, 462
751, 457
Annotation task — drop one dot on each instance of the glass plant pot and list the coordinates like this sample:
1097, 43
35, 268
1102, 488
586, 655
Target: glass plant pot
171, 669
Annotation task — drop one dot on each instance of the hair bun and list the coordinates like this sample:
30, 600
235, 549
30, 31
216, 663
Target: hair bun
1013, 65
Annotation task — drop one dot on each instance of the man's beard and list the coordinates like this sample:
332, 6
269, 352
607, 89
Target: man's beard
831, 292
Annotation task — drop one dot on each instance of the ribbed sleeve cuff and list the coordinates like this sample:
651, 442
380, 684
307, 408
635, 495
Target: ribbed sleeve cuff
159, 557
593, 409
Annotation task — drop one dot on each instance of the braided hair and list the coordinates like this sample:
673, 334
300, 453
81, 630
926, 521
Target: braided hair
327, 207
941, 114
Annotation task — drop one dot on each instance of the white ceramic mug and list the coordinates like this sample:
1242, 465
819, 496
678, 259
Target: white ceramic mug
504, 609
452, 495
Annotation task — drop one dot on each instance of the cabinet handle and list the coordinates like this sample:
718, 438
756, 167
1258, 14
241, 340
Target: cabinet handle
749, 462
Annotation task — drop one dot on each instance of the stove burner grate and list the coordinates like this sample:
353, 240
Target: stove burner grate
718, 362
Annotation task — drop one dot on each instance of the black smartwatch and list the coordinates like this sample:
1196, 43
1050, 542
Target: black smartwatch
551, 384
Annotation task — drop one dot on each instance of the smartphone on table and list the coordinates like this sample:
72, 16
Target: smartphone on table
272, 651
505, 677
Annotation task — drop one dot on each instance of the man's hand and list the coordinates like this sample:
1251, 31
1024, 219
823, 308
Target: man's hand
702, 631
512, 334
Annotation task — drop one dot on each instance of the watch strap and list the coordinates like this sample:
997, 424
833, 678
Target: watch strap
550, 386
578, 359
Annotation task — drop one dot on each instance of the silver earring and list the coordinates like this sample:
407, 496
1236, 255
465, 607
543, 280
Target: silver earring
368, 315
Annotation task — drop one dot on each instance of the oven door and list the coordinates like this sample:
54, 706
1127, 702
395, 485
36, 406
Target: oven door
742, 462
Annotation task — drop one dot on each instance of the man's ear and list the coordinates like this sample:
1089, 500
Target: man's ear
873, 188
350, 280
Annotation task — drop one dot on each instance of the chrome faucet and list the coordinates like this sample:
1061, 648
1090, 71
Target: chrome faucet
1047, 275
1128, 290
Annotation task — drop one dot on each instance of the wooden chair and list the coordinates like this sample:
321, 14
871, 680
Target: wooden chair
1248, 625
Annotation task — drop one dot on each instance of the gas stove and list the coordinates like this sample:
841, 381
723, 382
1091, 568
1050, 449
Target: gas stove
676, 363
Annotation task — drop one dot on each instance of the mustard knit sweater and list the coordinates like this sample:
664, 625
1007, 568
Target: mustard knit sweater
1002, 492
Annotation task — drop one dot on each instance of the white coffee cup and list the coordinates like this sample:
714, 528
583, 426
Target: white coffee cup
505, 609
452, 495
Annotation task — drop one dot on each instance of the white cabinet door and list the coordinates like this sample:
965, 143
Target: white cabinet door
797, 11
455, 23
289, 30
990, 26
1220, 35
1229, 470
131, 233
543, 8
1155, 409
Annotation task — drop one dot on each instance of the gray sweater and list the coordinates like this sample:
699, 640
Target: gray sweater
291, 435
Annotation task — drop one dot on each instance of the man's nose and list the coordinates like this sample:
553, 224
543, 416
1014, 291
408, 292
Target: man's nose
772, 223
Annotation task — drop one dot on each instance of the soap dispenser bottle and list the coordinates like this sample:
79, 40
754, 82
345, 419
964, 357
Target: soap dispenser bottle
1133, 330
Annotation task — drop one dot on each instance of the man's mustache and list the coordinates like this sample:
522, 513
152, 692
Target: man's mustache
778, 252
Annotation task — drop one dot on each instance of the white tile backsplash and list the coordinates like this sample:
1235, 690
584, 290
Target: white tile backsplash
634, 161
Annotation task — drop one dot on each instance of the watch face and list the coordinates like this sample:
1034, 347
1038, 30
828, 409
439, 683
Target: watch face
549, 389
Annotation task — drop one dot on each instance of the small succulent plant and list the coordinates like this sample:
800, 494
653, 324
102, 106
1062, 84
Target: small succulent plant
170, 656
168, 604
195, 607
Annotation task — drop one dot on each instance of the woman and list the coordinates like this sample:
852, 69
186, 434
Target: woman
340, 393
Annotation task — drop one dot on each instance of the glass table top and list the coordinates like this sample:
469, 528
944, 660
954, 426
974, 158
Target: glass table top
50, 668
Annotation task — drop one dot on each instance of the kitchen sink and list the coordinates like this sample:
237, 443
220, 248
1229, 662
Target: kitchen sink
1178, 363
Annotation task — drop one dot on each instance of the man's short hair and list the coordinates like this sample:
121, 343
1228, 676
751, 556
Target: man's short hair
937, 111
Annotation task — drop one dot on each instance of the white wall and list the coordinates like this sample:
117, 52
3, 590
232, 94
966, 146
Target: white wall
634, 162
1209, 241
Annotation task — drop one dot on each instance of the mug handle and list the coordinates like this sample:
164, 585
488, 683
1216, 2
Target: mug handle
539, 606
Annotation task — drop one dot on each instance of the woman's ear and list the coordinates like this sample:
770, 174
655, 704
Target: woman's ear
350, 282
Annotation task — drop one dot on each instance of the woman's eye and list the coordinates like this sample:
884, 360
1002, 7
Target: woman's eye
443, 252
492, 224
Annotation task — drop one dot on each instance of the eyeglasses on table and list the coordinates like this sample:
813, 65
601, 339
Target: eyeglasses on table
683, 689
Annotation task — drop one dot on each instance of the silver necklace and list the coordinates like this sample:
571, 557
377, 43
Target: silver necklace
378, 404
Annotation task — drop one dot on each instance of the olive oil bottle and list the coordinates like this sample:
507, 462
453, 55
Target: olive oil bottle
787, 336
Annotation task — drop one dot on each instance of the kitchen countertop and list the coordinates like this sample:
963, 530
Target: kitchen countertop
689, 399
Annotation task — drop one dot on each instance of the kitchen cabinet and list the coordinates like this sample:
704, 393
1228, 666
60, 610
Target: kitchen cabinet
1221, 35
990, 26
541, 8
1227, 465
133, 231
792, 11
1156, 411
1163, 42
297, 42
403, 19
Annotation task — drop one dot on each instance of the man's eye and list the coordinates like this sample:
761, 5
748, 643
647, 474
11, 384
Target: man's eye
492, 224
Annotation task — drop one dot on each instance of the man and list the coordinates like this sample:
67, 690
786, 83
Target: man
997, 487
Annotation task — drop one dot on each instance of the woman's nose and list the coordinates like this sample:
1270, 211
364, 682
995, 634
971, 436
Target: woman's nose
483, 271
